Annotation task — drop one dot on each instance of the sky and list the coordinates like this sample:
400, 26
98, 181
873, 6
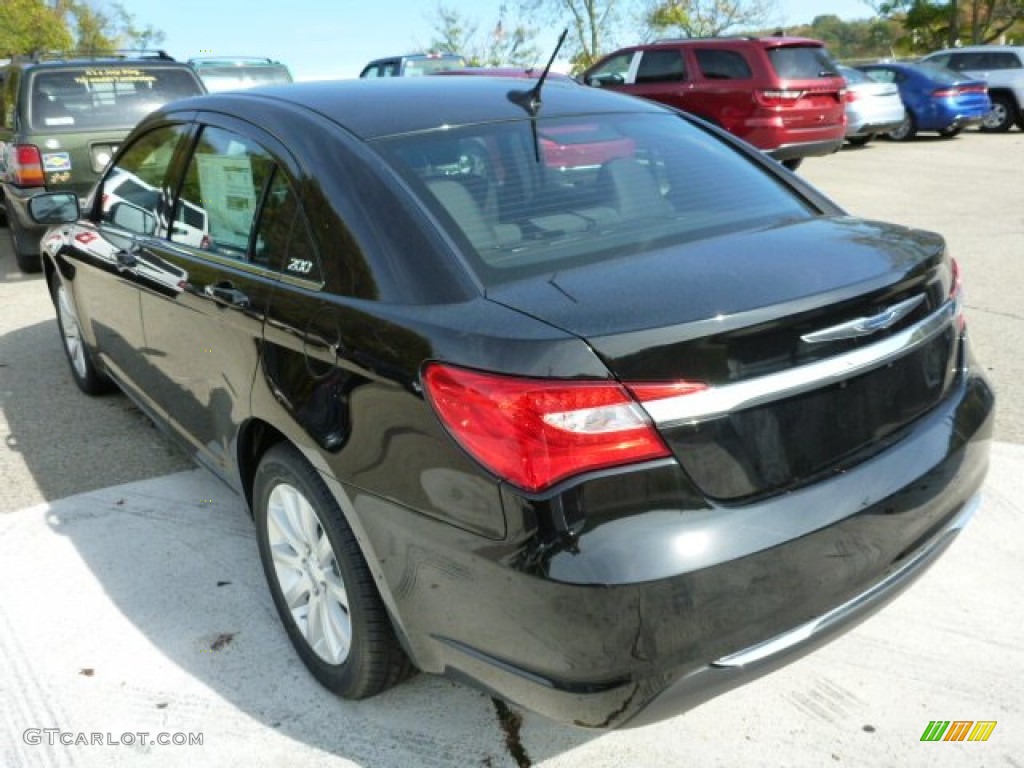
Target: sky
323, 39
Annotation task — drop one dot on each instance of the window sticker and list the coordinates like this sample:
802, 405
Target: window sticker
228, 197
55, 162
115, 75
65, 120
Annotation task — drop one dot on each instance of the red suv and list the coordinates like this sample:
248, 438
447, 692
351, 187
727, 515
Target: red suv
781, 94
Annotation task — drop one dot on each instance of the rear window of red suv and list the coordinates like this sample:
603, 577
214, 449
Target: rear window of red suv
802, 62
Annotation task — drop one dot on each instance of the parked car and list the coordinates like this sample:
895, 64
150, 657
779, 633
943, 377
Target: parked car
227, 73
413, 65
871, 107
1002, 67
936, 99
782, 94
604, 448
61, 120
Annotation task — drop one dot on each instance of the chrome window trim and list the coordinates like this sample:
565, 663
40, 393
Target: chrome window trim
718, 401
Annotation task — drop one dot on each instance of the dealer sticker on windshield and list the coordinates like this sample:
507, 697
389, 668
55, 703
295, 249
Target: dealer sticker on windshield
54, 162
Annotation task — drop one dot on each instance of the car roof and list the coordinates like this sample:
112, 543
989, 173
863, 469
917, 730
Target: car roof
370, 108
977, 49
763, 42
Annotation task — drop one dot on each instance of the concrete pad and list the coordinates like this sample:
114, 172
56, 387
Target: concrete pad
142, 608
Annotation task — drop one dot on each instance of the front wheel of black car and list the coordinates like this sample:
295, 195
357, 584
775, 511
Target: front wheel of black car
321, 585
87, 376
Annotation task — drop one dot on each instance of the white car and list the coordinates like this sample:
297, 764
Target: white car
1002, 67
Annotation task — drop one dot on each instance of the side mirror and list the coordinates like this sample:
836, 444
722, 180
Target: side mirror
131, 217
54, 208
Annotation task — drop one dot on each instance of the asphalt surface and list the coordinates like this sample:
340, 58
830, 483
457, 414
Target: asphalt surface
131, 596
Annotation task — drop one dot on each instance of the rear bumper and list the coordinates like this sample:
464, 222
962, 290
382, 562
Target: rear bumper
659, 599
806, 149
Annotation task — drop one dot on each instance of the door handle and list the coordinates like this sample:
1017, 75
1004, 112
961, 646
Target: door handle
126, 259
226, 292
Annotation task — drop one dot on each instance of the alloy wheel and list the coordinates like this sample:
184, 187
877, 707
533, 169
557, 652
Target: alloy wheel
306, 569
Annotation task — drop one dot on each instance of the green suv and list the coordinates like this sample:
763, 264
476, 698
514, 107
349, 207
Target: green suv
63, 117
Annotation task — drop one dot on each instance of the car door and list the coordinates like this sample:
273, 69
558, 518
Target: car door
205, 335
661, 75
108, 248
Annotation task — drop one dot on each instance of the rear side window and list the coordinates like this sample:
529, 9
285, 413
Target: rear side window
661, 67
723, 65
104, 96
584, 189
283, 242
804, 62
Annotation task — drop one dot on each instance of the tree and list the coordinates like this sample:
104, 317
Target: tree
508, 42
30, 25
708, 18
96, 31
932, 25
592, 23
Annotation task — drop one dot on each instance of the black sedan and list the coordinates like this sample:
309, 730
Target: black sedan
604, 437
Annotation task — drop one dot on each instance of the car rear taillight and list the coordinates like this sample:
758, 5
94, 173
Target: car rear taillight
778, 98
534, 433
28, 166
956, 293
851, 96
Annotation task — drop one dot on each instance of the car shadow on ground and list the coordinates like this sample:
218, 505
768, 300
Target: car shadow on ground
192, 586
191, 601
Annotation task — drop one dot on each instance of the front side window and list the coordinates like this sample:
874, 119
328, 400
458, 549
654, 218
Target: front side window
134, 197
584, 189
219, 196
101, 96
614, 71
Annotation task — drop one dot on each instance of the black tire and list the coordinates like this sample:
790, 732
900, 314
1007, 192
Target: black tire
29, 263
860, 141
793, 163
906, 131
87, 375
949, 133
1003, 114
329, 580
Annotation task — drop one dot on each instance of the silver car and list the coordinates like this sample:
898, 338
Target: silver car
871, 107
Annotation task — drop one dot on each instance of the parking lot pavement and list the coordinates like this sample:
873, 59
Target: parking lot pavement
142, 609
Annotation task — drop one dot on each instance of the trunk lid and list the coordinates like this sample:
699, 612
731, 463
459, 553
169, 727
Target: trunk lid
744, 308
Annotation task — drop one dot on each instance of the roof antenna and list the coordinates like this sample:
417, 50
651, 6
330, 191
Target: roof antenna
530, 100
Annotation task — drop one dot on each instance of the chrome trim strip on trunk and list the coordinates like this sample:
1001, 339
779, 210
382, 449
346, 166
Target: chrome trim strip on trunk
808, 630
865, 326
717, 401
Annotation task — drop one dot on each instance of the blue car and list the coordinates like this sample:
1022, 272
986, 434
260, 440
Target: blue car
937, 99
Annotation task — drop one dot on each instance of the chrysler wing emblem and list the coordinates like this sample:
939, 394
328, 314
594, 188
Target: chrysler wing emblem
865, 326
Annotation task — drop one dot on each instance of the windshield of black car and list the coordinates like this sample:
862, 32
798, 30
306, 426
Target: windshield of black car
604, 186
802, 62
100, 96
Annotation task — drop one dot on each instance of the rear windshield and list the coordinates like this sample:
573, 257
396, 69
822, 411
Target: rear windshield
802, 62
584, 189
224, 78
429, 65
105, 96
